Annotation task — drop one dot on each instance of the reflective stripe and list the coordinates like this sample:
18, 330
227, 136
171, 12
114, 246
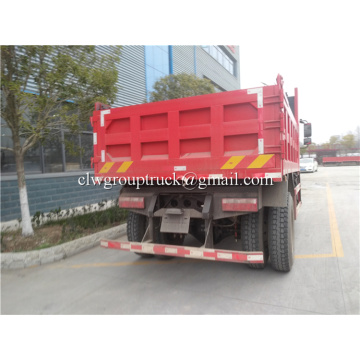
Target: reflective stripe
107, 166
273, 175
224, 255
260, 161
256, 162
255, 257
148, 248
186, 251
196, 253
259, 92
102, 116
124, 166
170, 250
232, 162
261, 146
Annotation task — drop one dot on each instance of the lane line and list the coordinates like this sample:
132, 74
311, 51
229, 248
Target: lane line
337, 249
335, 235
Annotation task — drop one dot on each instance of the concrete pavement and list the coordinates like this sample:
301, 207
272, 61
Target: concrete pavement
103, 281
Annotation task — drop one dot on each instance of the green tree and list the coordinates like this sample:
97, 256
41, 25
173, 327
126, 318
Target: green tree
68, 81
180, 86
348, 141
334, 139
357, 137
303, 150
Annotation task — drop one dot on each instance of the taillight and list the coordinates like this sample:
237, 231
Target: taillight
239, 204
132, 202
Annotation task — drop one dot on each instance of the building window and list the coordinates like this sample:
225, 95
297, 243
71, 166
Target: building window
221, 57
87, 150
156, 65
32, 163
53, 155
72, 151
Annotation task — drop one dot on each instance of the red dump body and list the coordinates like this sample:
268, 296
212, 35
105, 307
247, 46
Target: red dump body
251, 133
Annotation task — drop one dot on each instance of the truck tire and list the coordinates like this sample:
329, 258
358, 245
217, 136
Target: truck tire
253, 236
281, 236
136, 227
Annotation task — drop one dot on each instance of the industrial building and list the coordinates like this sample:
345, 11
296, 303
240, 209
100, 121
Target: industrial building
52, 173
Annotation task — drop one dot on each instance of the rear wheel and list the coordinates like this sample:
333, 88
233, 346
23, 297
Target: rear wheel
254, 235
136, 227
281, 236
221, 229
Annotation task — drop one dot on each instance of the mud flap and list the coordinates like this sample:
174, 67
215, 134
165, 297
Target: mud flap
175, 221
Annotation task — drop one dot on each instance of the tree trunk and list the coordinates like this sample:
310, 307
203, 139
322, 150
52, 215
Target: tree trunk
27, 229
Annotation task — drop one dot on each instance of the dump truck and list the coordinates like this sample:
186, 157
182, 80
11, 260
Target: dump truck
212, 177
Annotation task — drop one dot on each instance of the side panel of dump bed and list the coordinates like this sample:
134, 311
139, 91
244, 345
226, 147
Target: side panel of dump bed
242, 133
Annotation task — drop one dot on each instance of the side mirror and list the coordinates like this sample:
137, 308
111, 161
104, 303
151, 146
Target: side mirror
307, 141
307, 130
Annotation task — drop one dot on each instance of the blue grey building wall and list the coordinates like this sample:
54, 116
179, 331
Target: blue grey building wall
195, 60
207, 66
131, 80
184, 59
47, 193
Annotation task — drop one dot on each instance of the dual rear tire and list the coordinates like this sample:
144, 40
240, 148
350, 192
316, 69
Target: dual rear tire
281, 236
272, 232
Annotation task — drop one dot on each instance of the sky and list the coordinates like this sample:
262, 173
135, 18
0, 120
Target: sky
313, 44
319, 54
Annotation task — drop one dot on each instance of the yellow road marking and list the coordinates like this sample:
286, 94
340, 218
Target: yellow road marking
232, 162
124, 166
260, 161
335, 235
107, 166
337, 249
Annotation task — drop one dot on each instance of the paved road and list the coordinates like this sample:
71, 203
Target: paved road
324, 279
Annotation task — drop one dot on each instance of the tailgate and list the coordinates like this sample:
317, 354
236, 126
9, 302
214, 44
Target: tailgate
234, 133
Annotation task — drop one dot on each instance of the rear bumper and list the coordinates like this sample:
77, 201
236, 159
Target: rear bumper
186, 251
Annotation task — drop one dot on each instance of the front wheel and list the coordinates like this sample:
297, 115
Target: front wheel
281, 236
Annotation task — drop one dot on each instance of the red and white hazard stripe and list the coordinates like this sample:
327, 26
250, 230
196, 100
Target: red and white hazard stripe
186, 251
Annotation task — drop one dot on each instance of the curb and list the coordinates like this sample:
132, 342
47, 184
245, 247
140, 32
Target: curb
20, 260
